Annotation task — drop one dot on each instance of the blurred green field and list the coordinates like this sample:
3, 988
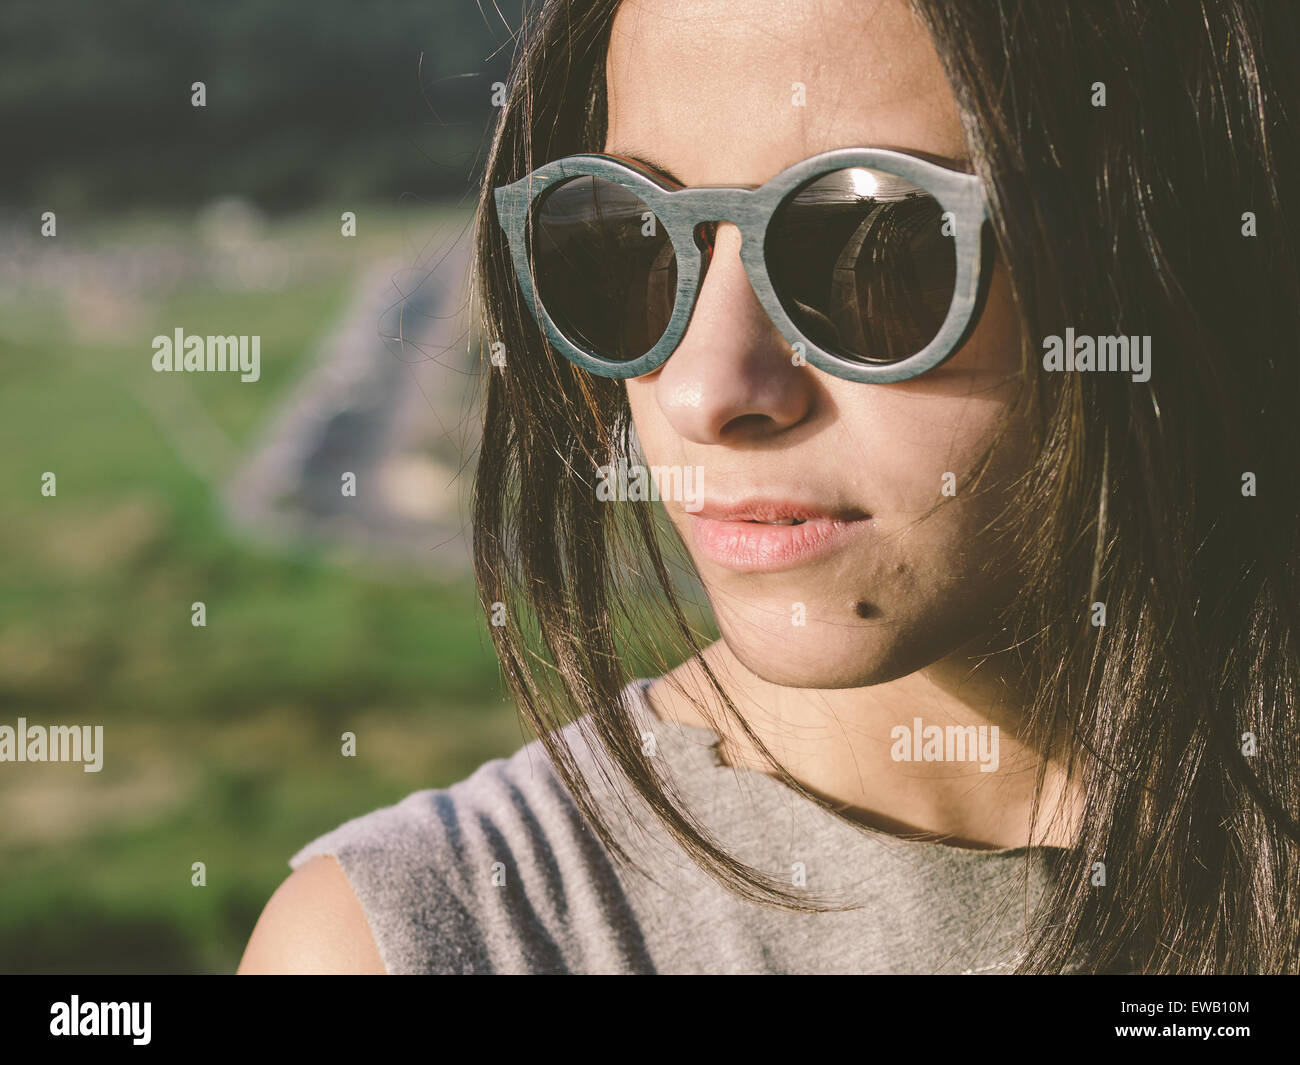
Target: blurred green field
221, 743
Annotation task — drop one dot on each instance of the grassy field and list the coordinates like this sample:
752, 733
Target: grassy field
221, 743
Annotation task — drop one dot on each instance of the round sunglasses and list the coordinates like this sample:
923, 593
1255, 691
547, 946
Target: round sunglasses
871, 262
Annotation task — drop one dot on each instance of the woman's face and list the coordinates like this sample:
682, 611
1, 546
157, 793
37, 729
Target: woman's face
707, 88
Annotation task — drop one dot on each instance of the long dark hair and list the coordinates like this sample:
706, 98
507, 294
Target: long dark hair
1172, 502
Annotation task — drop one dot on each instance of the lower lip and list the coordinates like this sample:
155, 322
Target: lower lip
750, 547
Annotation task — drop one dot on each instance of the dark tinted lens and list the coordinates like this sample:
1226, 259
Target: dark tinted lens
604, 267
860, 261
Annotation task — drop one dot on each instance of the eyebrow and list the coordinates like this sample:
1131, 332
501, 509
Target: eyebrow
648, 162
959, 163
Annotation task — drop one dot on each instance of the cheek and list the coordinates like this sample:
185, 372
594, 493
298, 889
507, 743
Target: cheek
660, 442
927, 435
909, 454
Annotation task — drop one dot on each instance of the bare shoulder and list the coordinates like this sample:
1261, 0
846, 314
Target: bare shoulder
312, 924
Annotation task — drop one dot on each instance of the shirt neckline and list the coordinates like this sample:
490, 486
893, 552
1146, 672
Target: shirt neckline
697, 747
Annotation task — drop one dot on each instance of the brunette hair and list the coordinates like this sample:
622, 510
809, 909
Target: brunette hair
1181, 712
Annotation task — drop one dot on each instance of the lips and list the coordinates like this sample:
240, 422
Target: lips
772, 511
763, 535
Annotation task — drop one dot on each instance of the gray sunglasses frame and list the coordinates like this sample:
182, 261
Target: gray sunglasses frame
681, 209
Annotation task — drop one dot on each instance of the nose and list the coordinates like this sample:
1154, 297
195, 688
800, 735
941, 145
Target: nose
732, 376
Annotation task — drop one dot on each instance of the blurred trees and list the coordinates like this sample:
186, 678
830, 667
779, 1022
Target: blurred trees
307, 100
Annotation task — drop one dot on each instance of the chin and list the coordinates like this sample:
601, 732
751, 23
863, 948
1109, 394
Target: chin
856, 653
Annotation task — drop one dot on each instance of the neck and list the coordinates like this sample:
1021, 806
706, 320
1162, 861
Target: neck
941, 754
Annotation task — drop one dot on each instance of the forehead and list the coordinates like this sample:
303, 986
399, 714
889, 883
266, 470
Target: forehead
734, 91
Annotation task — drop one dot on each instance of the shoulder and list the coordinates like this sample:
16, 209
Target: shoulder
492, 874
312, 924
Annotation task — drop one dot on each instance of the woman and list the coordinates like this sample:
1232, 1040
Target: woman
971, 404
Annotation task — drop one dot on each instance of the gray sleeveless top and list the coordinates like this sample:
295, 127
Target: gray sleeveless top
499, 874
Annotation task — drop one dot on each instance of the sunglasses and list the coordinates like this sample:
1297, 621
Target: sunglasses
871, 262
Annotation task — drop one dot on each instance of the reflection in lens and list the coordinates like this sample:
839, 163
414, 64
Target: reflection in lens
603, 267
861, 264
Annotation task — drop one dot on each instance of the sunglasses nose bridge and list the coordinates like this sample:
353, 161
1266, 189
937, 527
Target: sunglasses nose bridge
704, 208
715, 205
